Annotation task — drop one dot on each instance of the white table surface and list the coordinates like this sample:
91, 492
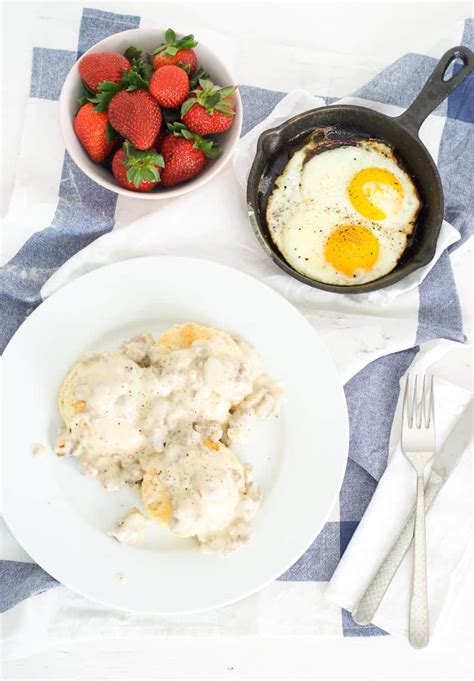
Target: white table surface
368, 36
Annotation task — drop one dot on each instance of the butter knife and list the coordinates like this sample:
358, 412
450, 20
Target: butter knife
443, 465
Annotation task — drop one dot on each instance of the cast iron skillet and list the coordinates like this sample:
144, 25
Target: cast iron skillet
275, 146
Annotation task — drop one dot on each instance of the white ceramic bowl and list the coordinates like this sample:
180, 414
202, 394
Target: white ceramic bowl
145, 39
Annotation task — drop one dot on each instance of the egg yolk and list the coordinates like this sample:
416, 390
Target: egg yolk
351, 248
376, 193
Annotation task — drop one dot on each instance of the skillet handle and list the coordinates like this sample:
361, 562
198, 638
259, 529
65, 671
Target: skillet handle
437, 88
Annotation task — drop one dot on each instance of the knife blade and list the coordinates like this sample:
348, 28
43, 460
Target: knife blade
445, 462
451, 452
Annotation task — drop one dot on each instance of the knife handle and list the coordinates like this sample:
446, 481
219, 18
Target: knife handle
372, 597
419, 626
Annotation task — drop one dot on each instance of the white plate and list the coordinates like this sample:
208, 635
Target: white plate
61, 517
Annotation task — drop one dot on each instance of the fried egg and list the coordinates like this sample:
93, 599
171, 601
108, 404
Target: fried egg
342, 214
339, 250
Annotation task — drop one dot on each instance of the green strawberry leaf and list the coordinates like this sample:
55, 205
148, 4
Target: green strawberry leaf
108, 86
134, 176
146, 70
133, 80
194, 80
87, 88
110, 133
173, 45
187, 43
151, 174
206, 84
208, 147
170, 36
140, 65
212, 97
85, 95
132, 53
227, 91
142, 165
178, 129
107, 90
212, 101
224, 108
185, 106
212, 152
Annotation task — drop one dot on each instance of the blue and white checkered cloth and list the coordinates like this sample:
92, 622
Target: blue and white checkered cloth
361, 332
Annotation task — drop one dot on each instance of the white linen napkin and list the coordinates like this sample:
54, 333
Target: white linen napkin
448, 522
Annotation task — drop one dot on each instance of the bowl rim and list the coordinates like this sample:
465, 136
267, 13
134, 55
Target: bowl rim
389, 279
66, 123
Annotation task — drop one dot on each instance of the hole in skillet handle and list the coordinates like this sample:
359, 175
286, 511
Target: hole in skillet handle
445, 79
454, 67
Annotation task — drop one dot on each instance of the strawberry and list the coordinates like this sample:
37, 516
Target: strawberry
182, 160
185, 154
176, 51
169, 86
93, 131
100, 66
182, 58
136, 116
137, 170
209, 110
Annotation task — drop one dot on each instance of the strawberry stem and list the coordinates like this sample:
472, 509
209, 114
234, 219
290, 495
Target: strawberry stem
173, 45
140, 63
211, 97
142, 166
134, 79
208, 147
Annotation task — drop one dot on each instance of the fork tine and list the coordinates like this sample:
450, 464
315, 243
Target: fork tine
406, 402
415, 406
430, 413
423, 420
418, 404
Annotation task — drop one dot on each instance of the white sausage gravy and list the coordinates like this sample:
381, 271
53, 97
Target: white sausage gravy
163, 415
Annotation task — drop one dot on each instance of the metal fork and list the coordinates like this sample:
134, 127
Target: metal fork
418, 444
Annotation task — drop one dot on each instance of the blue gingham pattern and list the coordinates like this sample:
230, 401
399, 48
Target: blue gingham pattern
370, 411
